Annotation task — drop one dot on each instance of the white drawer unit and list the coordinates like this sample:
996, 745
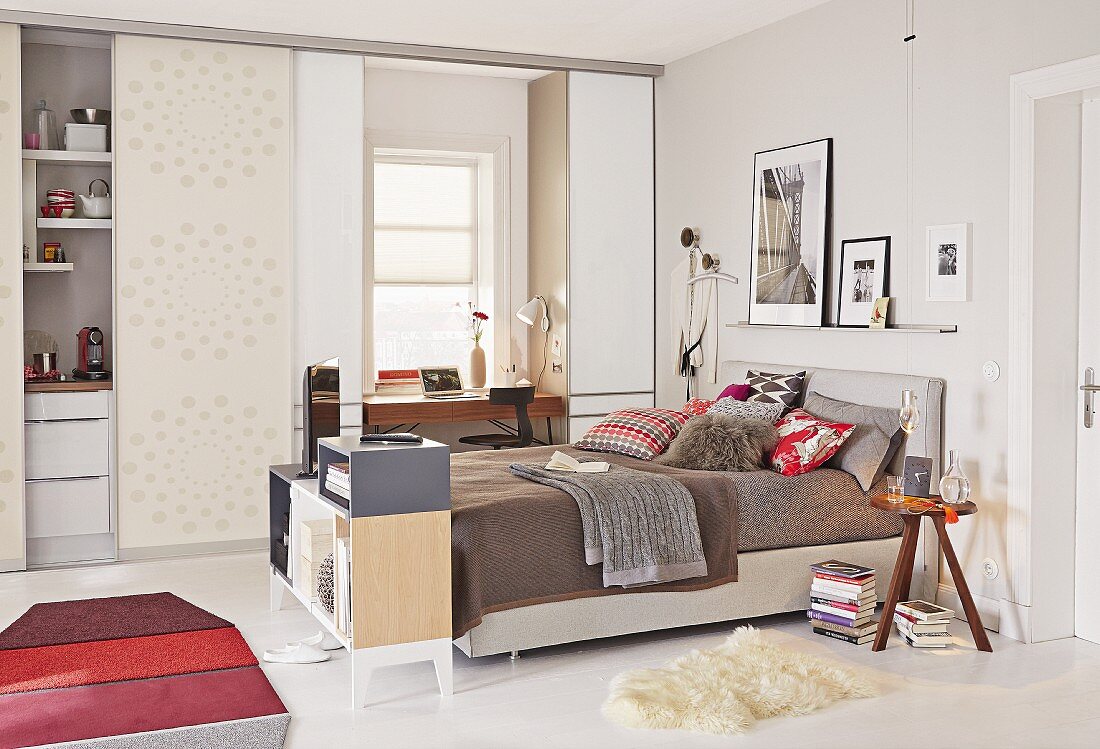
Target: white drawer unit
67, 449
71, 507
63, 406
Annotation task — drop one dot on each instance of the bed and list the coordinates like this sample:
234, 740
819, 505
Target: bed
520, 581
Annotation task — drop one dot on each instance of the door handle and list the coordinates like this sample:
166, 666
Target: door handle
1089, 388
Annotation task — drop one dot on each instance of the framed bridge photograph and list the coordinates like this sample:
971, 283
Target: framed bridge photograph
790, 234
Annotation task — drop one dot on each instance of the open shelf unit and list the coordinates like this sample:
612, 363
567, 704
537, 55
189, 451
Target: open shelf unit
836, 328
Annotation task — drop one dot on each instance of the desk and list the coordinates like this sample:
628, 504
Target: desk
415, 409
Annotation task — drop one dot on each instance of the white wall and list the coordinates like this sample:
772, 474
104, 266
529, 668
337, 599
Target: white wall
839, 70
420, 103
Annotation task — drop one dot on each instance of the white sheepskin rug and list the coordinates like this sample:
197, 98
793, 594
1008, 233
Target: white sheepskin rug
724, 690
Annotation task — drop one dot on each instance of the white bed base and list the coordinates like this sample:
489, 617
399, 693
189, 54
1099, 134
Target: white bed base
770, 582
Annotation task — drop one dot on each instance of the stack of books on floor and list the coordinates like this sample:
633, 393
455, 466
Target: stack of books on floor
923, 624
396, 381
338, 480
842, 601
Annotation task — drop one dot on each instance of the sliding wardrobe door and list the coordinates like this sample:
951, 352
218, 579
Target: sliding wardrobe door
204, 323
11, 306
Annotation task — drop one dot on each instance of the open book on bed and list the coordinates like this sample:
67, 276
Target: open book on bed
559, 461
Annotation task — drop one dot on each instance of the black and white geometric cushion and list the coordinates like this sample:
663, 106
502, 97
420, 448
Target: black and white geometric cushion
769, 412
766, 387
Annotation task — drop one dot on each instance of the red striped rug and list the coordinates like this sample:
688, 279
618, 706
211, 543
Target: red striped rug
162, 673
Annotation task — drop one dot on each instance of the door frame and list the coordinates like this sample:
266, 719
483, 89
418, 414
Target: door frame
1022, 615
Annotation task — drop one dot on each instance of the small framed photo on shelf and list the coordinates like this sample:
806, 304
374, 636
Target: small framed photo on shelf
948, 250
864, 277
879, 312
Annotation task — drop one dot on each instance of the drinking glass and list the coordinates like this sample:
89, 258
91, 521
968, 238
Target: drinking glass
895, 491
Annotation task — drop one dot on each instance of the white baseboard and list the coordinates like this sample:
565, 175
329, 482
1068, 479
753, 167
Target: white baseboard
1015, 620
13, 565
988, 608
191, 550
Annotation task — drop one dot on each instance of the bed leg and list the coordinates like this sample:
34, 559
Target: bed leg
514, 655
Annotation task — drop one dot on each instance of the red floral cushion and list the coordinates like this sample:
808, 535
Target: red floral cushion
638, 432
805, 442
696, 407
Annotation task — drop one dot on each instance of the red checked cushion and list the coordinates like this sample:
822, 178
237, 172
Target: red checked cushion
638, 432
805, 442
696, 407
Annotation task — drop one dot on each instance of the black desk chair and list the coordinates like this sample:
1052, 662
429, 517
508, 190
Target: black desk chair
518, 397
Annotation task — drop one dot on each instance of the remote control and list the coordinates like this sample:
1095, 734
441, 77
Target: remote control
398, 438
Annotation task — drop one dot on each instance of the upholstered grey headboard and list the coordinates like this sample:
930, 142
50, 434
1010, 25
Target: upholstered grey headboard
868, 388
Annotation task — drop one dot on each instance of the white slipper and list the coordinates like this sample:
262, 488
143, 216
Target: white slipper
323, 640
296, 653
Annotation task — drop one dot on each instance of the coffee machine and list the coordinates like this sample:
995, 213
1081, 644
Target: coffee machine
89, 355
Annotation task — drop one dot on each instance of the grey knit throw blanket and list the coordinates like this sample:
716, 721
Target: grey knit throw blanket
641, 526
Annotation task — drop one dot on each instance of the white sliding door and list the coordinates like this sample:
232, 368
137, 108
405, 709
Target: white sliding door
11, 306
610, 234
204, 325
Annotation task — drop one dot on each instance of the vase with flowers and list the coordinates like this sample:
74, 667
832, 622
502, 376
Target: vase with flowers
477, 353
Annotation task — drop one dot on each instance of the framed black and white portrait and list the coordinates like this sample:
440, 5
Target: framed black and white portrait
790, 234
948, 249
864, 277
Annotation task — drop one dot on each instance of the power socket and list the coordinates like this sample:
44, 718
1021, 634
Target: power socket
991, 371
990, 569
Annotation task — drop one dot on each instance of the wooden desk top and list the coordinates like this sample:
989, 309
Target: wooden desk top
882, 502
409, 408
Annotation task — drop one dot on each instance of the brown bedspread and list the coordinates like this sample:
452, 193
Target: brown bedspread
516, 543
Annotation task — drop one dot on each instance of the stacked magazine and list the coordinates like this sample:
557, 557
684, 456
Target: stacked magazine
923, 624
842, 601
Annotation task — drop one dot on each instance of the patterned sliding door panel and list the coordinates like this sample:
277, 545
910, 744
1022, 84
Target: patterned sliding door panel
11, 305
203, 287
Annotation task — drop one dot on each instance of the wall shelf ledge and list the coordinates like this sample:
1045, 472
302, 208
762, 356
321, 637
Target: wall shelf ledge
835, 328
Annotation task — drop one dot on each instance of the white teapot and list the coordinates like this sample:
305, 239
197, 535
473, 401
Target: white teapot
96, 206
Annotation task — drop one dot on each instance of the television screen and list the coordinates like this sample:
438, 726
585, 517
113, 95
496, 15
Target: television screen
320, 408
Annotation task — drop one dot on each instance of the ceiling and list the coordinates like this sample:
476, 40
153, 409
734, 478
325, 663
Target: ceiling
646, 31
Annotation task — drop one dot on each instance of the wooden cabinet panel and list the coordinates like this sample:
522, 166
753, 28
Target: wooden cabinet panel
401, 581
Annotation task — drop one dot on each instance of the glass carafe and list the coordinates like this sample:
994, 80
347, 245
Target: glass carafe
954, 485
44, 122
909, 415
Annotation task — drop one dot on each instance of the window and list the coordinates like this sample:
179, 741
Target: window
426, 238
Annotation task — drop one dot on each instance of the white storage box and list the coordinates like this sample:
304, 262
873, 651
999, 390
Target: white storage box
85, 137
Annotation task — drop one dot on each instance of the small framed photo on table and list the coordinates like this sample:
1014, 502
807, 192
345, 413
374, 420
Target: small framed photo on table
948, 249
864, 277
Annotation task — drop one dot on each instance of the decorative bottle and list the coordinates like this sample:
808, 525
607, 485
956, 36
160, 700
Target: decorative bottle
44, 122
954, 485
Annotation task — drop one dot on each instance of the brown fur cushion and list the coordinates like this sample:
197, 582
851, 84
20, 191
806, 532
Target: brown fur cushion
717, 442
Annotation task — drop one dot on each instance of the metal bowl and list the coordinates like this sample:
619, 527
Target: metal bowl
91, 116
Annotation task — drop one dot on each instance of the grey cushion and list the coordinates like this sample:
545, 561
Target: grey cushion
877, 436
769, 412
717, 442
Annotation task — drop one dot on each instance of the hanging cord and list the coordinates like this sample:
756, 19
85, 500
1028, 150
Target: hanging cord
545, 346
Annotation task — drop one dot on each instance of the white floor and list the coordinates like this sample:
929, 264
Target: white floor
1045, 695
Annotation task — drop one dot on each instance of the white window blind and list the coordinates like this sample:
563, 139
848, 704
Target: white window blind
425, 221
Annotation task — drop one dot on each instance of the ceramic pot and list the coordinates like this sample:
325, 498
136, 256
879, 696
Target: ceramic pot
477, 366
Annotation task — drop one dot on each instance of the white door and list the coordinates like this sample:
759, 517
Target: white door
1087, 581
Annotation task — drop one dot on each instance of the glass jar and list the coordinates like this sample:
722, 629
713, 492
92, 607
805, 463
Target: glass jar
954, 485
909, 415
44, 122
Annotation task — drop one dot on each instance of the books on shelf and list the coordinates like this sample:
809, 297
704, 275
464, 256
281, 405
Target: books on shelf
338, 480
842, 601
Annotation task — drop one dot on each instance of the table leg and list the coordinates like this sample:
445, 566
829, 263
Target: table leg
549, 431
906, 557
907, 581
981, 639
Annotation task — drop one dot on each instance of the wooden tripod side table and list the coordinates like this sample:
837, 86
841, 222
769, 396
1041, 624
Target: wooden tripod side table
903, 570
